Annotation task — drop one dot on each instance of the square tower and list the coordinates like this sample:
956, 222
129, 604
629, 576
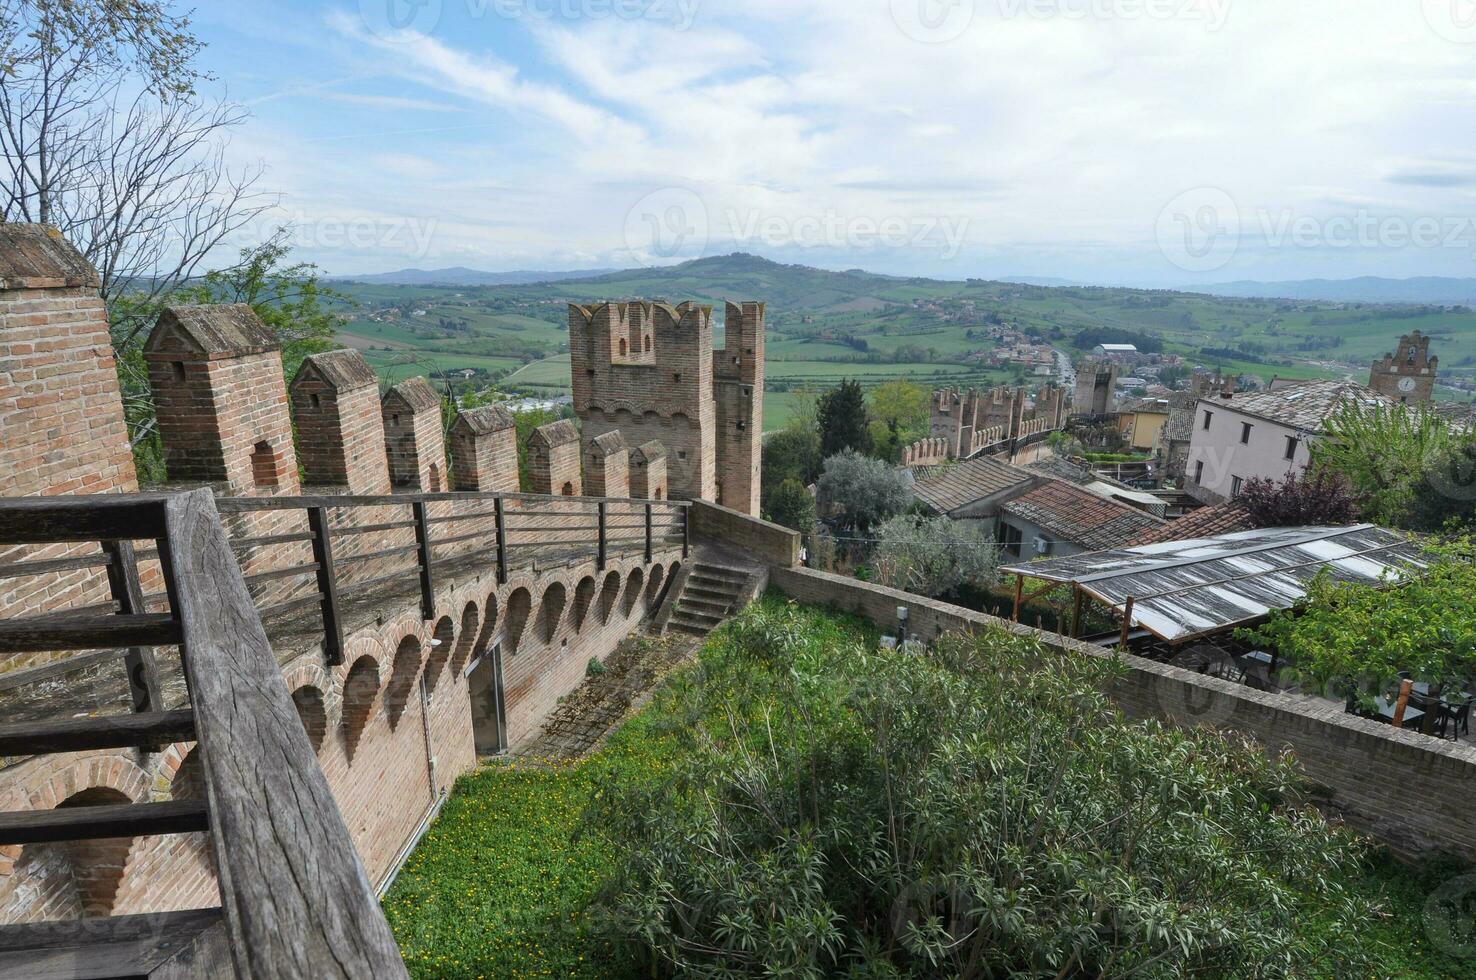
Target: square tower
340, 425
216, 374
412, 432
738, 387
664, 394
484, 450
553, 459
1408, 374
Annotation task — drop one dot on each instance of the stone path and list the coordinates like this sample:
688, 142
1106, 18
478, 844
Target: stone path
585, 718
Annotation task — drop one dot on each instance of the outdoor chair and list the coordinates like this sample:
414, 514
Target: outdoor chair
1455, 720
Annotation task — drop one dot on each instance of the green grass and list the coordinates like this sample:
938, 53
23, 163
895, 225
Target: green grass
502, 884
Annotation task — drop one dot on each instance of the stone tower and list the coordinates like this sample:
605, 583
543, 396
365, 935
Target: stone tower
1408, 374
738, 387
1096, 388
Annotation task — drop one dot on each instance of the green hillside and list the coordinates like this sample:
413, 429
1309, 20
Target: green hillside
825, 325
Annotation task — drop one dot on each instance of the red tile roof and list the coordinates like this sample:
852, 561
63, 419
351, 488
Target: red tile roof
1071, 513
1203, 523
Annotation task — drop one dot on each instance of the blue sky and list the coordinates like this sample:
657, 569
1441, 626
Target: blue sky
1155, 142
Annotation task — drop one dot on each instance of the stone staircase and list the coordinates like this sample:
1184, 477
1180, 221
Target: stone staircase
710, 593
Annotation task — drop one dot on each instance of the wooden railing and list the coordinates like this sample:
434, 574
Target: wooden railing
295, 900
303, 553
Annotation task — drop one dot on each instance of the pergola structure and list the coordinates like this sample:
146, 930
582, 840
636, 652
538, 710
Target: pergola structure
1182, 591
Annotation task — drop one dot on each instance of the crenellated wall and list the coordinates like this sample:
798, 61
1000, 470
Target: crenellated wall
226, 418
965, 424
649, 371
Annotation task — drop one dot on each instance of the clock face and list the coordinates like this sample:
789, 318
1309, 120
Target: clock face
1406, 385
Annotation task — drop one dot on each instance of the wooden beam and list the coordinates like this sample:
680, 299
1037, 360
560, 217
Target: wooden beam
297, 901
322, 538
151, 728
423, 558
95, 517
1127, 622
1077, 612
71, 823
1019, 595
499, 518
38, 635
139, 662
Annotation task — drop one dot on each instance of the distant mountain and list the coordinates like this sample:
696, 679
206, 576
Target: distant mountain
1051, 281
459, 276
1437, 290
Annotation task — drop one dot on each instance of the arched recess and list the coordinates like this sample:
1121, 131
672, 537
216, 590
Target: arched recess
608, 596
443, 646
265, 466
653, 585
584, 595
519, 605
471, 620
312, 710
633, 584
360, 689
96, 867
484, 637
402, 678
551, 609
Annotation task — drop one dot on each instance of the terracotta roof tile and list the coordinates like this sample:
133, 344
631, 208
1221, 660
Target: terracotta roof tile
1071, 513
1206, 522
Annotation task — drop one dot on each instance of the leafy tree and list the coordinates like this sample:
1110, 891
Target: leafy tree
289, 298
841, 415
1319, 499
867, 491
1381, 452
1445, 495
792, 505
1353, 634
791, 454
934, 556
829, 809
900, 413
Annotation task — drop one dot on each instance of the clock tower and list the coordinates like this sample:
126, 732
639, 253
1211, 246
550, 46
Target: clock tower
1408, 374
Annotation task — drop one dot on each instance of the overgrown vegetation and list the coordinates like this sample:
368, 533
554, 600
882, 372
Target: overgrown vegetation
800, 804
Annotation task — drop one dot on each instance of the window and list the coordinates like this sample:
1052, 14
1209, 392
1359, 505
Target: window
568, 489
1207, 417
1011, 536
177, 369
622, 346
1235, 484
648, 344
1199, 472
1245, 433
1291, 446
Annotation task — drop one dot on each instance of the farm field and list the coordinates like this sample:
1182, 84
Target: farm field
825, 326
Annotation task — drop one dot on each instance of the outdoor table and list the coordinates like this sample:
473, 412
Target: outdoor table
1386, 708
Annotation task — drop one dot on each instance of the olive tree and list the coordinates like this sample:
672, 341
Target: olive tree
866, 491
934, 556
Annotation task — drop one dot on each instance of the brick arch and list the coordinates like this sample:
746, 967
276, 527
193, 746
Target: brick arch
584, 596
609, 593
97, 866
633, 584
360, 692
442, 647
489, 629
468, 638
189, 778
403, 673
653, 585
551, 609
305, 673
312, 711
519, 606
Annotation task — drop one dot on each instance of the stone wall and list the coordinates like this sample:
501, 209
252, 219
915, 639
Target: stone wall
1411, 791
761, 540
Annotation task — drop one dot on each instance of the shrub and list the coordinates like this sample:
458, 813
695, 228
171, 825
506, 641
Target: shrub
934, 556
792, 505
978, 812
1322, 499
866, 490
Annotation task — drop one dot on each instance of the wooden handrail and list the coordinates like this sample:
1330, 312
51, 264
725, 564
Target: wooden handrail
296, 899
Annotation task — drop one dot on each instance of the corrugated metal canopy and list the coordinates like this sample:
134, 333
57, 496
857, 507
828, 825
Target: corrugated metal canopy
1184, 589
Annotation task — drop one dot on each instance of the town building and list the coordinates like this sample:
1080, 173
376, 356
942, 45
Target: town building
1407, 374
972, 490
1058, 518
1264, 434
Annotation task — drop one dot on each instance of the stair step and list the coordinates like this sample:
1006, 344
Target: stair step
696, 616
94, 949
688, 628
720, 605
97, 822
715, 591
719, 566
737, 575
149, 728
40, 634
715, 585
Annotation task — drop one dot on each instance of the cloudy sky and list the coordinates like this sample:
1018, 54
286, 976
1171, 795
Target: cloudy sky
1151, 142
